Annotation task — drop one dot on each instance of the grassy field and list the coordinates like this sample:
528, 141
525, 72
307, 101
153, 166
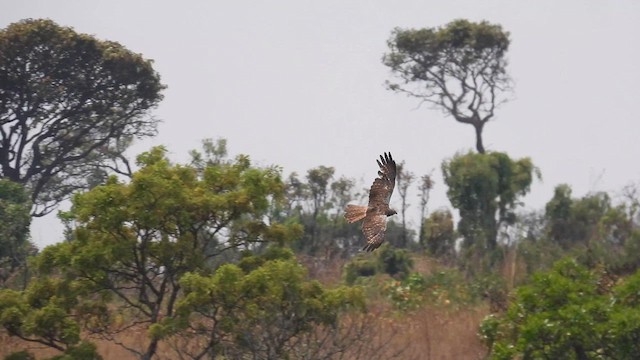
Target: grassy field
430, 332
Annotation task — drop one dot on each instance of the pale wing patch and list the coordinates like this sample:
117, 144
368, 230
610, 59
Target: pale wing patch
373, 228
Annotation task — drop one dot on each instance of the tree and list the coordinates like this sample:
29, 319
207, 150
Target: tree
404, 179
14, 228
264, 307
425, 187
45, 313
318, 184
342, 192
439, 236
135, 241
459, 68
485, 189
316, 195
571, 221
594, 228
70, 105
558, 213
213, 153
318, 204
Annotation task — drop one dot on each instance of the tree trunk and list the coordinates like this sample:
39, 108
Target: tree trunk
403, 238
581, 354
479, 145
151, 350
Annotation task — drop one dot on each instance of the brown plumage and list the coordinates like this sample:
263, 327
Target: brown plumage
375, 214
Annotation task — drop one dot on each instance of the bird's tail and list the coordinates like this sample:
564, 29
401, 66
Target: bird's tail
355, 213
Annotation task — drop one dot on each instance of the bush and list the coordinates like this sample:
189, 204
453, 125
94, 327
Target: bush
442, 288
359, 266
20, 355
395, 262
407, 294
565, 313
83, 351
448, 287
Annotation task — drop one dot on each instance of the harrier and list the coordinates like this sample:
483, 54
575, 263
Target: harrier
375, 214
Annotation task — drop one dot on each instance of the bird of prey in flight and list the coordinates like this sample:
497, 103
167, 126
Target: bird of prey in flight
376, 212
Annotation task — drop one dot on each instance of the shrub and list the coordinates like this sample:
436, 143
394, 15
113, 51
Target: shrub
20, 355
395, 262
359, 266
565, 313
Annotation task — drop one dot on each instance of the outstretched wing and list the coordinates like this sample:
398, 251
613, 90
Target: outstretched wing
375, 222
373, 228
382, 188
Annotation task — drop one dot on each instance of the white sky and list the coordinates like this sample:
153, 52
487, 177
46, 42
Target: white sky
300, 84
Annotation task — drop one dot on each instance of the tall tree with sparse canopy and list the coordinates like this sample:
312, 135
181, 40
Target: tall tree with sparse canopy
459, 68
69, 107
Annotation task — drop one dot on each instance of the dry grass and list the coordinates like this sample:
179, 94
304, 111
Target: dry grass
430, 333
438, 334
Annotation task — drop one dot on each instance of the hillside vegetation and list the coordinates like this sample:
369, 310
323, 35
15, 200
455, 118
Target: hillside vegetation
218, 258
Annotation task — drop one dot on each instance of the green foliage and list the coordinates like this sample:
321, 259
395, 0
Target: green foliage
393, 235
493, 289
539, 254
395, 262
557, 316
439, 236
624, 325
135, 241
448, 287
71, 105
318, 203
485, 189
408, 294
20, 355
442, 288
82, 351
558, 211
593, 229
386, 260
459, 68
574, 220
567, 313
264, 309
14, 227
42, 313
249, 261
360, 266
213, 153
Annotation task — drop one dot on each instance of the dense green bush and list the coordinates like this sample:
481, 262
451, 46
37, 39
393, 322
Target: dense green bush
568, 313
358, 267
395, 262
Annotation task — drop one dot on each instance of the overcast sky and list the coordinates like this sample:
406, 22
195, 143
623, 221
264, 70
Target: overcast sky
301, 84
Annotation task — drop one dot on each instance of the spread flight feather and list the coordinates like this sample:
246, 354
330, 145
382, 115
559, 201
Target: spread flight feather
376, 212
